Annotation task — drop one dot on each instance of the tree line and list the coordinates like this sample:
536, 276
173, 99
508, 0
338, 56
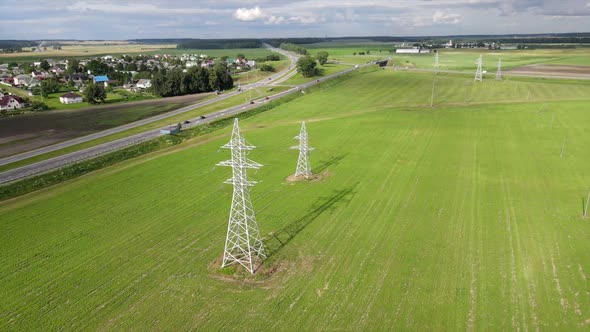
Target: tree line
218, 43
293, 48
195, 80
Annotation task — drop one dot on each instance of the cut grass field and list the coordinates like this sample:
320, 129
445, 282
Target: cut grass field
458, 217
465, 59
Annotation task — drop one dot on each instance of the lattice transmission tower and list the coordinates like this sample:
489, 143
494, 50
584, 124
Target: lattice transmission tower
242, 243
499, 71
478, 72
436, 64
303, 165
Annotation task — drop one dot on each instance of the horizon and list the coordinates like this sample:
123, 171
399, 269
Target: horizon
318, 37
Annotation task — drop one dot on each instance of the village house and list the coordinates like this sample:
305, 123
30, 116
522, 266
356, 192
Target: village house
144, 83
70, 98
56, 70
25, 80
102, 79
9, 102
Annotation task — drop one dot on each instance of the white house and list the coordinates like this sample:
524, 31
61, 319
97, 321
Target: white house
25, 80
251, 63
70, 98
10, 102
143, 83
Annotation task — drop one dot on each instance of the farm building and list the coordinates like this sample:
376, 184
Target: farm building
102, 79
70, 98
9, 102
412, 50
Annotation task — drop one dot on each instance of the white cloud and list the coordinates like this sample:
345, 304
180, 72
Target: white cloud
303, 19
248, 14
446, 18
275, 20
135, 8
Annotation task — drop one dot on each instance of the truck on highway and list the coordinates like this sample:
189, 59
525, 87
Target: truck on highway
171, 130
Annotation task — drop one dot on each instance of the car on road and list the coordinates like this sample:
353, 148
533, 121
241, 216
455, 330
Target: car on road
202, 117
186, 122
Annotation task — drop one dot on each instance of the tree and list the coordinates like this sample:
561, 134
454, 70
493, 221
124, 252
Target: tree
73, 66
97, 67
219, 77
143, 67
37, 106
119, 66
131, 67
306, 65
48, 86
44, 65
95, 94
241, 56
267, 67
322, 57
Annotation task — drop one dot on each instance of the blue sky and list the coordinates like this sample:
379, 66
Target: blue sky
106, 19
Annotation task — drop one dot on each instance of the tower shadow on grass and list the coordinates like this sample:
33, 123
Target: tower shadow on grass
277, 240
324, 164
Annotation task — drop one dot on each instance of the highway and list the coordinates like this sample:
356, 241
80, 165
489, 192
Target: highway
76, 156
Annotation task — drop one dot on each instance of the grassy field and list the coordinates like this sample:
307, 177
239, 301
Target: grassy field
465, 59
455, 59
458, 217
325, 70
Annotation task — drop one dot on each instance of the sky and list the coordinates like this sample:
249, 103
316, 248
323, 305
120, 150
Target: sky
120, 19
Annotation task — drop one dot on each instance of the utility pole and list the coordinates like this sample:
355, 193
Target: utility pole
499, 71
303, 165
242, 243
478, 72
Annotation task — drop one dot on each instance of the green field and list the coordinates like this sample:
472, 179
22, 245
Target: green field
462, 216
465, 59
325, 70
455, 59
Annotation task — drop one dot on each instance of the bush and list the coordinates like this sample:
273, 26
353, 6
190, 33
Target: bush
37, 106
267, 67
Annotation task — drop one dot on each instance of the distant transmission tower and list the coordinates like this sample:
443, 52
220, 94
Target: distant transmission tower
478, 73
242, 243
499, 71
436, 64
303, 165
